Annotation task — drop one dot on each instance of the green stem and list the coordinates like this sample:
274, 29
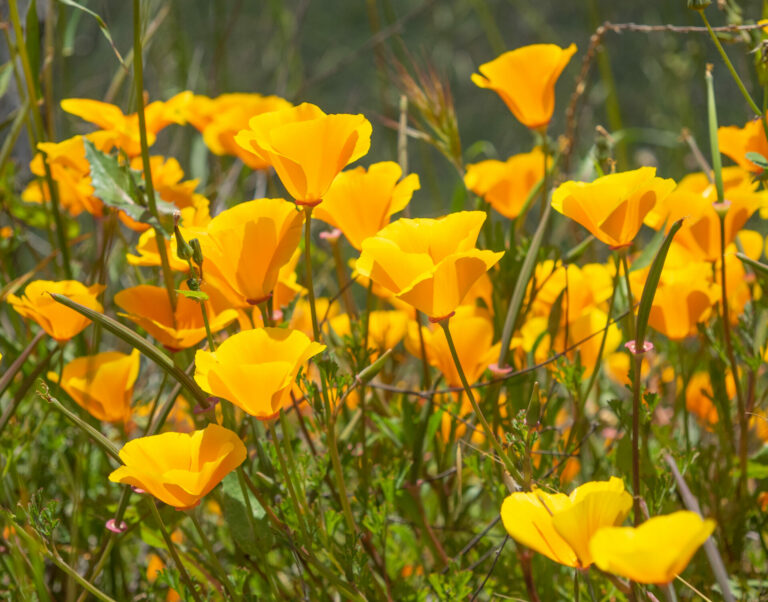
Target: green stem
138, 71
595, 371
300, 512
208, 332
717, 164
222, 574
308, 262
333, 450
488, 431
172, 549
630, 299
636, 384
734, 74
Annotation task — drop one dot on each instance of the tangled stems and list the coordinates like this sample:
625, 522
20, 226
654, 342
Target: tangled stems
511, 469
223, 575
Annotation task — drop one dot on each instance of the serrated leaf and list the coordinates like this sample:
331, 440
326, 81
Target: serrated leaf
758, 159
116, 186
234, 511
196, 295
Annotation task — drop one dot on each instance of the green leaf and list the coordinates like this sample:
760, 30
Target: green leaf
646, 256
32, 42
117, 186
196, 295
140, 343
234, 510
5, 77
651, 283
758, 159
102, 26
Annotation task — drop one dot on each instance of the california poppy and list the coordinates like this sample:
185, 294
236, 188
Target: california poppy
306, 147
180, 468
656, 551
428, 263
59, 321
525, 80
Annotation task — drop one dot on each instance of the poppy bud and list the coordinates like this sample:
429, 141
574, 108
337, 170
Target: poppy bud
183, 250
197, 251
699, 4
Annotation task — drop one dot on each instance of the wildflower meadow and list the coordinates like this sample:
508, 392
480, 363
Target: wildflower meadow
383, 300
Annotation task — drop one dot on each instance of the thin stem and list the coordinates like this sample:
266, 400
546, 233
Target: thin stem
172, 549
223, 575
300, 512
308, 262
337, 469
488, 431
341, 276
138, 71
208, 332
595, 371
636, 384
630, 305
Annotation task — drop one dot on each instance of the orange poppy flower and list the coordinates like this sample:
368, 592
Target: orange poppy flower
360, 202
247, 246
429, 263
306, 147
255, 369
149, 307
59, 321
612, 207
525, 80
736, 142
180, 468
102, 384
220, 119
506, 184
694, 198
123, 130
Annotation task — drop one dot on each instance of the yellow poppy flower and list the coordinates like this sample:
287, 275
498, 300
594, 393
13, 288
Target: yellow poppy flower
122, 130
560, 526
149, 307
525, 80
306, 147
360, 202
102, 384
506, 184
656, 551
612, 207
248, 244
736, 142
255, 369
59, 321
385, 329
220, 119
428, 263
472, 332
693, 199
180, 468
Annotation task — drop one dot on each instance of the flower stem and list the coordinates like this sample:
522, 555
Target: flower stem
138, 72
490, 435
223, 575
630, 305
308, 262
172, 549
595, 371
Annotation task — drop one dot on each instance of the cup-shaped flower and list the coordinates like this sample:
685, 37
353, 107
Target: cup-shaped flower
102, 384
59, 321
429, 263
149, 307
736, 142
180, 468
656, 551
255, 369
472, 333
506, 184
306, 147
560, 526
613, 207
693, 199
525, 80
220, 119
360, 202
248, 244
